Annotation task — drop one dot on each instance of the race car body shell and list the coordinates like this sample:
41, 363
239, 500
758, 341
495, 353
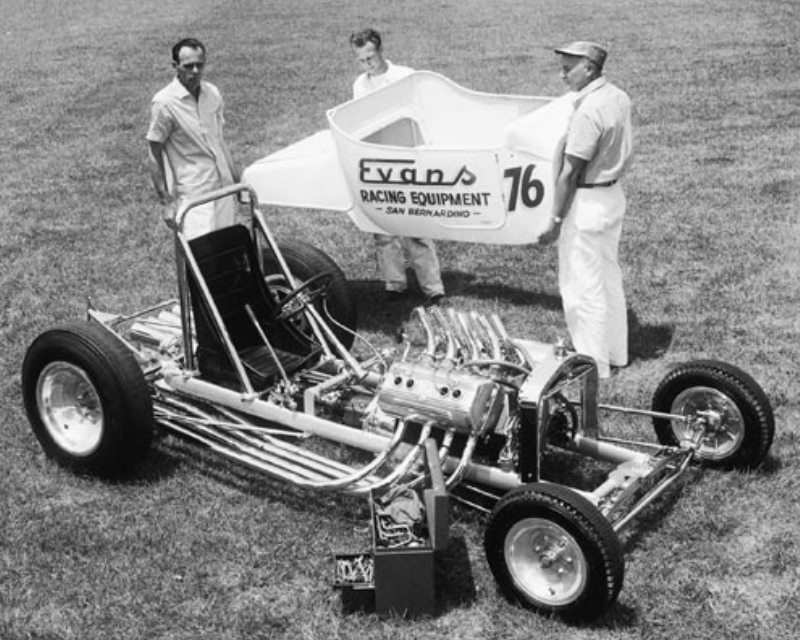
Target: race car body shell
425, 157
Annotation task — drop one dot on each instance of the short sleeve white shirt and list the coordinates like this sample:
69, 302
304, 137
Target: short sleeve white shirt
191, 132
366, 83
600, 131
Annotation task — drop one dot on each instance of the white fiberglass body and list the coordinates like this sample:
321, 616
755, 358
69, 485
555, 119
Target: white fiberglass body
425, 157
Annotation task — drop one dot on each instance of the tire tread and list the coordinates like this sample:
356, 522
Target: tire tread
118, 379
743, 390
575, 510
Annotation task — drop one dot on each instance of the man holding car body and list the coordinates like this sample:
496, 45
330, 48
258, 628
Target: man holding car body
391, 250
589, 207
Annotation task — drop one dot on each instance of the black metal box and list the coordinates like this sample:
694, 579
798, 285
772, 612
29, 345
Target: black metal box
400, 580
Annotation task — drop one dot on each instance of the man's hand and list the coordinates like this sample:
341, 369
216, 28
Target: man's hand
168, 211
551, 235
566, 184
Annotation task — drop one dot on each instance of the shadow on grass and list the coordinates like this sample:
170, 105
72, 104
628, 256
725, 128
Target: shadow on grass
459, 283
249, 481
158, 464
620, 616
455, 584
573, 469
647, 342
653, 516
375, 313
770, 467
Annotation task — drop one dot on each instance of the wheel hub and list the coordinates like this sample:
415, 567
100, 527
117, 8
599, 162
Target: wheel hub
545, 561
70, 408
716, 427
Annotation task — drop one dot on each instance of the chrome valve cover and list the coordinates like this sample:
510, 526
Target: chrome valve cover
461, 399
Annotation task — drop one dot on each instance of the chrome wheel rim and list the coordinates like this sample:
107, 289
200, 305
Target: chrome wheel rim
70, 408
545, 561
715, 424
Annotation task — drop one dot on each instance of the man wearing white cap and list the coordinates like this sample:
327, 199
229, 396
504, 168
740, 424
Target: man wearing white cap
589, 206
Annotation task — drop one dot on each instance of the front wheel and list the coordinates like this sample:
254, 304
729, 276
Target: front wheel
87, 400
729, 418
553, 551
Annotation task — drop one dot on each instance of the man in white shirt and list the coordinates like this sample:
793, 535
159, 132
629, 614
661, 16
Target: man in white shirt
187, 154
379, 72
589, 206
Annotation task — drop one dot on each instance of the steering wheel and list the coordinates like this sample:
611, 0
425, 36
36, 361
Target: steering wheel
306, 293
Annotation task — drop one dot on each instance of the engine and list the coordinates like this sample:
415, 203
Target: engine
451, 374
457, 397
457, 372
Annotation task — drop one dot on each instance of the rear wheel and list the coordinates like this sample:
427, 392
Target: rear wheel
306, 261
552, 551
87, 400
729, 417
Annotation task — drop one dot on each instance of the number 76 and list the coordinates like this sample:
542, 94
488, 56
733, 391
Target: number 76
530, 190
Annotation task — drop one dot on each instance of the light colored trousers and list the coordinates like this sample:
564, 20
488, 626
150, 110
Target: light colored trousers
209, 216
590, 278
421, 257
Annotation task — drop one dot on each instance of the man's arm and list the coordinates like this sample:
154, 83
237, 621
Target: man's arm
566, 184
158, 173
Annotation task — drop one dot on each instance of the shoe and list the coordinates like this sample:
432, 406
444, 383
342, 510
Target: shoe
396, 296
437, 299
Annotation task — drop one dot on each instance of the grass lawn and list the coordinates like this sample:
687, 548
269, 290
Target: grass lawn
711, 254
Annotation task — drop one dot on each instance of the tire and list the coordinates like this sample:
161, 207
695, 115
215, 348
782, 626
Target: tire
87, 400
552, 551
305, 261
739, 426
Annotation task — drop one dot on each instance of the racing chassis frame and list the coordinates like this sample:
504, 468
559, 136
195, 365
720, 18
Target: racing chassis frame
493, 408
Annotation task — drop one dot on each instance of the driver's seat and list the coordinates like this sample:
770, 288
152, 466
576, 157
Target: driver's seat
229, 265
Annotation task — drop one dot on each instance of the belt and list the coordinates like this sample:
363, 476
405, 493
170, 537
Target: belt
597, 184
